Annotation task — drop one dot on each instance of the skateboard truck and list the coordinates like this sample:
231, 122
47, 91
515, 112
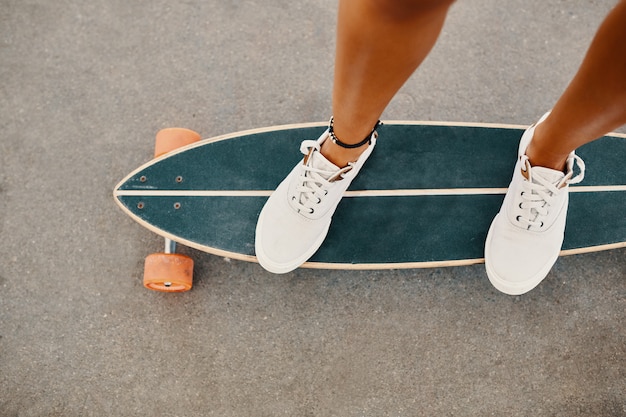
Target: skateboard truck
170, 271
170, 248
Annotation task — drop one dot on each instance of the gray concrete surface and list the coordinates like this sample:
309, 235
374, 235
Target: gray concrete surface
84, 87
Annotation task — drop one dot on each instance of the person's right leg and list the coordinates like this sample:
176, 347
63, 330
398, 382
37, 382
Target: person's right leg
379, 45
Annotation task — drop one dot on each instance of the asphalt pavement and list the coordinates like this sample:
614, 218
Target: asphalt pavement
84, 87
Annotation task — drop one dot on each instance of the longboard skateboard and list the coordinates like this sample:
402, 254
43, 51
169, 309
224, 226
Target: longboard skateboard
425, 198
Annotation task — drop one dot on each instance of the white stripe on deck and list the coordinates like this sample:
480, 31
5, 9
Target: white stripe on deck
356, 193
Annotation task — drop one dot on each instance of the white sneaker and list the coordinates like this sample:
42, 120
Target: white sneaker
525, 238
296, 218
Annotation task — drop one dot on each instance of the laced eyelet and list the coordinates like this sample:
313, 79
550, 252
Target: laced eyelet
311, 211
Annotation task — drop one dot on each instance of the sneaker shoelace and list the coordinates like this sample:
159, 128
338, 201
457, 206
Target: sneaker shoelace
539, 193
313, 183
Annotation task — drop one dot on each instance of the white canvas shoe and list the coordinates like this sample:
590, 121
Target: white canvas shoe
525, 238
296, 218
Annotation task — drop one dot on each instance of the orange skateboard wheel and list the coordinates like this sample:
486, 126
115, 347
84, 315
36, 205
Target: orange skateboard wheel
173, 138
168, 272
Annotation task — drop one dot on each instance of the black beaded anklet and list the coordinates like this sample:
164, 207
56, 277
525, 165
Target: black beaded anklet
336, 140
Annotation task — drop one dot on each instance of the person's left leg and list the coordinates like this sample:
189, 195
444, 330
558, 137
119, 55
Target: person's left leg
595, 101
526, 236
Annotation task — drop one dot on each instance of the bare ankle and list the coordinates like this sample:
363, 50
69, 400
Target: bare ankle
540, 152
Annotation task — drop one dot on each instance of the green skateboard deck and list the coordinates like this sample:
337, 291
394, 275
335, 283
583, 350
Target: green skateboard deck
425, 198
